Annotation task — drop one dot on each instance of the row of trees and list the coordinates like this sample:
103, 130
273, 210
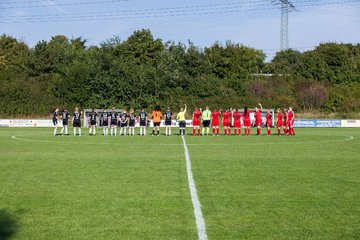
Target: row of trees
142, 71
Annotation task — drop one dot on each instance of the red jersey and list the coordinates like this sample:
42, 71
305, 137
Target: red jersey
258, 115
197, 115
269, 117
215, 116
246, 115
236, 116
279, 117
226, 117
290, 116
285, 116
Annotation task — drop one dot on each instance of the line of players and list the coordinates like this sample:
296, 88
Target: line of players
230, 117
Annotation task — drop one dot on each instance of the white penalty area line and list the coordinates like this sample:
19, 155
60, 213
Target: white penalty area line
199, 219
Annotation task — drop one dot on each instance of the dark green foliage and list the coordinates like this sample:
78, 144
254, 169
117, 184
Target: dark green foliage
143, 71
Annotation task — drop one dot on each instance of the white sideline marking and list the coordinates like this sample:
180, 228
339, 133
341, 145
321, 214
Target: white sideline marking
199, 219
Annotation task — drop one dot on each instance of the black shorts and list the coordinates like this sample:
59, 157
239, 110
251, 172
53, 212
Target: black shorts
132, 124
206, 123
77, 124
142, 124
92, 123
65, 122
113, 123
182, 124
105, 124
123, 125
156, 124
168, 123
55, 122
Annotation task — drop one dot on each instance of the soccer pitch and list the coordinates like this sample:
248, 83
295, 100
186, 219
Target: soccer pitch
257, 187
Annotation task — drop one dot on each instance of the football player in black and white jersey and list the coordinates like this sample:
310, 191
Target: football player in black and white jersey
132, 119
113, 121
168, 117
65, 119
104, 120
76, 119
55, 120
143, 122
92, 117
123, 117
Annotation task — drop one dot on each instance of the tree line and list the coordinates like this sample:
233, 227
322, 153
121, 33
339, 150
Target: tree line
143, 71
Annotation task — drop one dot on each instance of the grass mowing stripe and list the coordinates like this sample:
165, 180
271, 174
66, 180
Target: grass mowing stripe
199, 219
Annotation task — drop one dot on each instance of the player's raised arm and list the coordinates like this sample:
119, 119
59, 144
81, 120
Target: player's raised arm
185, 108
260, 106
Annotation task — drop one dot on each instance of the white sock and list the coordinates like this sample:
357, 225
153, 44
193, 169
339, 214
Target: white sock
66, 130
169, 131
141, 131
90, 130
94, 131
74, 131
121, 130
62, 130
79, 131
144, 131
55, 130
133, 131
107, 131
125, 131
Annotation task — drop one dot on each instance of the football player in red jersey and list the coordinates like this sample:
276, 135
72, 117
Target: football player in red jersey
268, 122
258, 120
196, 121
285, 116
291, 121
246, 119
237, 122
279, 122
215, 122
226, 122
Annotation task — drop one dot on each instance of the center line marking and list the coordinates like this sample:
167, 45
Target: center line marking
199, 219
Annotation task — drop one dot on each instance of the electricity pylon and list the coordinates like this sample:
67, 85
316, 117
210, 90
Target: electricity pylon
286, 7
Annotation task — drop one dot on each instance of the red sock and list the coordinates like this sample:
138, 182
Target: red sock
293, 131
269, 132
198, 131
279, 131
235, 131
239, 131
194, 130
258, 131
218, 131
213, 131
229, 131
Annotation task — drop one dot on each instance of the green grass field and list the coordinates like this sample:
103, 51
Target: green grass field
96, 187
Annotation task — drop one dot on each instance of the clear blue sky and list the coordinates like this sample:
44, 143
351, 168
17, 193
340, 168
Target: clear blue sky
254, 23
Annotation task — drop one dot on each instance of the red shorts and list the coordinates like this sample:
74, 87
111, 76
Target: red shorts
291, 123
288, 123
237, 124
247, 122
215, 123
196, 123
226, 124
279, 123
258, 123
269, 123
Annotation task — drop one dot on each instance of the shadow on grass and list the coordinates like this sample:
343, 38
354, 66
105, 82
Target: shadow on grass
8, 225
